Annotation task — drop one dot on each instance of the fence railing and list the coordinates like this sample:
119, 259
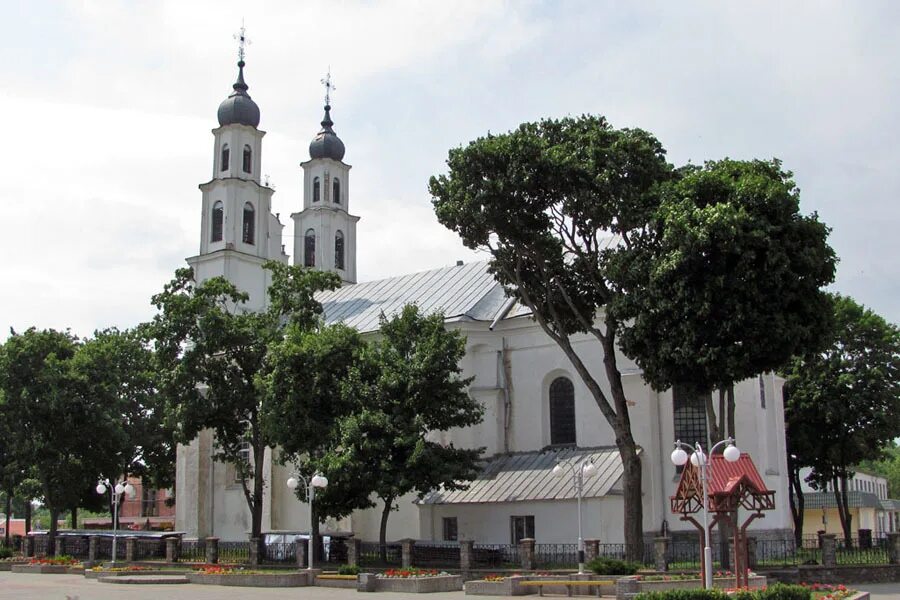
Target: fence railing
780, 553
495, 556
373, 554
193, 551
435, 554
235, 552
549, 556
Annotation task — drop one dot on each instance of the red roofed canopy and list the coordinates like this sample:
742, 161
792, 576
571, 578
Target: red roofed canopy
731, 485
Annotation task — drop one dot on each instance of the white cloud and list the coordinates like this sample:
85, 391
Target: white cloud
110, 105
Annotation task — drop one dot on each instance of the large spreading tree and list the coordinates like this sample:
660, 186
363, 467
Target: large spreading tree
842, 404
555, 203
214, 353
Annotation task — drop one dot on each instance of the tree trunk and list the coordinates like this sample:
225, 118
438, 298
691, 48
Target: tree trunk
840, 496
714, 431
722, 391
51, 534
28, 508
796, 499
732, 430
382, 532
74, 517
318, 545
8, 512
256, 509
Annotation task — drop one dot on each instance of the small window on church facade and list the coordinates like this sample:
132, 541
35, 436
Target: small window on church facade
223, 166
689, 414
309, 248
249, 229
218, 219
339, 250
562, 412
317, 189
248, 159
336, 191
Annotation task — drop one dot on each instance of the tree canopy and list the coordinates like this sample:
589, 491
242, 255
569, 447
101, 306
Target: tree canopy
215, 353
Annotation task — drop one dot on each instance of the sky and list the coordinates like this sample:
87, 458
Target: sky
108, 108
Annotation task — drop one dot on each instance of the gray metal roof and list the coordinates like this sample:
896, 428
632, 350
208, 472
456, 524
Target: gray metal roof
890, 504
463, 292
529, 476
854, 500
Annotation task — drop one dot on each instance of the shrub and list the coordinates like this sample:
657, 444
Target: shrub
776, 592
603, 565
5, 552
348, 570
697, 594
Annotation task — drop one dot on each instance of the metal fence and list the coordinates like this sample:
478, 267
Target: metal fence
435, 554
686, 556
234, 552
547, 556
373, 554
495, 556
193, 551
277, 553
149, 549
780, 553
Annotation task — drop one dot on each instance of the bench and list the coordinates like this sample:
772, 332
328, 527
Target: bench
568, 583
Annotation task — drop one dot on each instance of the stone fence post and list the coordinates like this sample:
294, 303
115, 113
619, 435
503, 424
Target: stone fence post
591, 550
254, 552
353, 550
406, 549
894, 548
92, 548
301, 549
60, 547
627, 588
466, 554
172, 549
526, 553
130, 543
660, 552
829, 550
212, 550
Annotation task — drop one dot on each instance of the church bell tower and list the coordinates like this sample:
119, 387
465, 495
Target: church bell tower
238, 231
325, 231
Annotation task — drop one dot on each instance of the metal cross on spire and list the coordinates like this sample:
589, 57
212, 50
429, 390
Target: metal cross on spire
328, 87
243, 41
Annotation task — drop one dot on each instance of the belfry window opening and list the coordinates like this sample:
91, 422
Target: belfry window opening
218, 220
339, 250
336, 191
249, 229
309, 248
248, 159
317, 189
223, 162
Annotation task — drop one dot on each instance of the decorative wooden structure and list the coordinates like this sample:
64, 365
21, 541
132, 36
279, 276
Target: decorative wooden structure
731, 486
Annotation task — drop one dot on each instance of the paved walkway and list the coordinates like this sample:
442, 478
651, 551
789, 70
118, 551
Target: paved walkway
20, 586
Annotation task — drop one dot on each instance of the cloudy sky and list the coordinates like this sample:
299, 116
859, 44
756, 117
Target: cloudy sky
108, 108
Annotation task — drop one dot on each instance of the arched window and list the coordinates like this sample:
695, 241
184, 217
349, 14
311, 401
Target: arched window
562, 412
248, 159
218, 219
223, 166
339, 250
336, 191
249, 229
309, 248
316, 189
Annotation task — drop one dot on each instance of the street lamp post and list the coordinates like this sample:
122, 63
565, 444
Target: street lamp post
580, 469
316, 481
701, 460
114, 492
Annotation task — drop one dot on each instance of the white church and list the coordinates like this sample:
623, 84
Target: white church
537, 411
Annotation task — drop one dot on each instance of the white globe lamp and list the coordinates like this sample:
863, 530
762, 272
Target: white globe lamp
732, 454
679, 457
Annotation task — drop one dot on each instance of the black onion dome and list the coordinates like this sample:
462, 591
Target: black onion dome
327, 144
239, 107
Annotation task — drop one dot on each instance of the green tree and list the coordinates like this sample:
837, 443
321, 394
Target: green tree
548, 201
406, 386
116, 369
888, 467
304, 403
843, 403
726, 283
213, 354
60, 430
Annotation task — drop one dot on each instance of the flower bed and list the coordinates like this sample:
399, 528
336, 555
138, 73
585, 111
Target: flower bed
410, 581
52, 565
827, 591
225, 575
337, 581
130, 570
641, 584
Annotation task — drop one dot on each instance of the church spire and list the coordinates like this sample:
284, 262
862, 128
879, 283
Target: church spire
239, 107
327, 144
